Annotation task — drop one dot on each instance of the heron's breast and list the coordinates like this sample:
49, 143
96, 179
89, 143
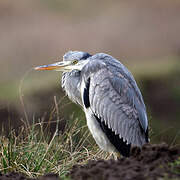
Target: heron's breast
97, 133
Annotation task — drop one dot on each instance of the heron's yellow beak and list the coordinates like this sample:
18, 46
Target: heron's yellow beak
59, 66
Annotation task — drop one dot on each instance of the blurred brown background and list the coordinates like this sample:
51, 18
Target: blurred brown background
143, 34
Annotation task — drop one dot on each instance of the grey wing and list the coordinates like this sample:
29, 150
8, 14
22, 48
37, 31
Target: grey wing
114, 101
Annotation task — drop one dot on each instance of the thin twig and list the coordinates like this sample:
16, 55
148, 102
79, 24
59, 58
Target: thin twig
21, 95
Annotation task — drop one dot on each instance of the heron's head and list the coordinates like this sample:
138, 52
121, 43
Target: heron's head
72, 60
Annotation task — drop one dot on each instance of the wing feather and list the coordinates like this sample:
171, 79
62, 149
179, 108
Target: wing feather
117, 101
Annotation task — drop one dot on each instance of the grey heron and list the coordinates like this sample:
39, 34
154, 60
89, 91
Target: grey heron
108, 93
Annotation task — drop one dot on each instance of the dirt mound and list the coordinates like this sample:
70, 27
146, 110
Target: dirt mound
152, 162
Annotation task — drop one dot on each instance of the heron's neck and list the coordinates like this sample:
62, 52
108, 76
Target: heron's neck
71, 84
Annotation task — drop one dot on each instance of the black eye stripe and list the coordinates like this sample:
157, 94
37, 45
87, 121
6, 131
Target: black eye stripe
86, 55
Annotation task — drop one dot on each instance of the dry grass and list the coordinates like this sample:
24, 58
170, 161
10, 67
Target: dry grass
35, 152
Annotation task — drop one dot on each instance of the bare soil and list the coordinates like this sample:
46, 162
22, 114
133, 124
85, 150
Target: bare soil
19, 176
152, 162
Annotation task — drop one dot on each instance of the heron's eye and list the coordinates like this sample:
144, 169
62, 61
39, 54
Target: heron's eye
75, 62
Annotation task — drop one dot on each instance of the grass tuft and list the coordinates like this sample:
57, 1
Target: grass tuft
35, 152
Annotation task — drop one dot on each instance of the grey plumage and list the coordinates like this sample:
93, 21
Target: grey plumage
111, 99
114, 96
